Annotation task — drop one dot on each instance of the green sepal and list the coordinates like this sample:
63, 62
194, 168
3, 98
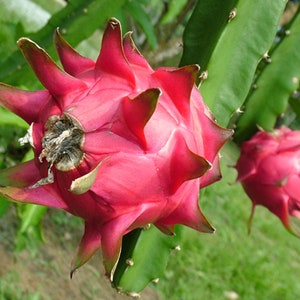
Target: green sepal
82, 184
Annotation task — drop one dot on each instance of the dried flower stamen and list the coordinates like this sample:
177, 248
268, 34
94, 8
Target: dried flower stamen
62, 143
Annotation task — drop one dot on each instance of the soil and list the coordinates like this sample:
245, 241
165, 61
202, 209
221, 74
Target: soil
48, 270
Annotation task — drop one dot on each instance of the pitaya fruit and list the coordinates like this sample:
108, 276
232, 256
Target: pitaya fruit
116, 143
269, 171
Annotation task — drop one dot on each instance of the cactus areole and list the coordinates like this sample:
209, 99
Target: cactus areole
116, 143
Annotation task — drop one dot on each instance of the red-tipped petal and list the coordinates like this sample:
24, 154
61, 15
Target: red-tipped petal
214, 137
246, 168
44, 195
281, 210
57, 81
178, 83
166, 229
272, 197
111, 58
183, 163
21, 175
72, 61
89, 244
189, 214
25, 104
212, 175
132, 54
111, 236
138, 111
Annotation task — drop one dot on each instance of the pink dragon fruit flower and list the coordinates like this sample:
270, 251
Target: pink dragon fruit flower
116, 143
269, 171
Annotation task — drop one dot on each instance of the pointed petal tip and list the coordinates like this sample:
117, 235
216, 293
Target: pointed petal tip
89, 244
166, 229
128, 36
73, 62
184, 163
23, 41
110, 267
138, 111
178, 84
112, 58
57, 81
150, 95
192, 69
210, 229
197, 66
19, 176
132, 53
72, 272
27, 46
112, 234
292, 224
188, 213
113, 23
294, 231
57, 37
25, 104
129, 42
227, 133
203, 225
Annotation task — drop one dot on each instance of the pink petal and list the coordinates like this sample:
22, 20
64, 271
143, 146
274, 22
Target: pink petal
213, 136
44, 195
188, 212
138, 111
51, 76
21, 175
212, 175
105, 141
89, 244
72, 61
246, 168
25, 104
272, 197
111, 58
99, 108
115, 181
132, 54
178, 83
112, 234
181, 163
